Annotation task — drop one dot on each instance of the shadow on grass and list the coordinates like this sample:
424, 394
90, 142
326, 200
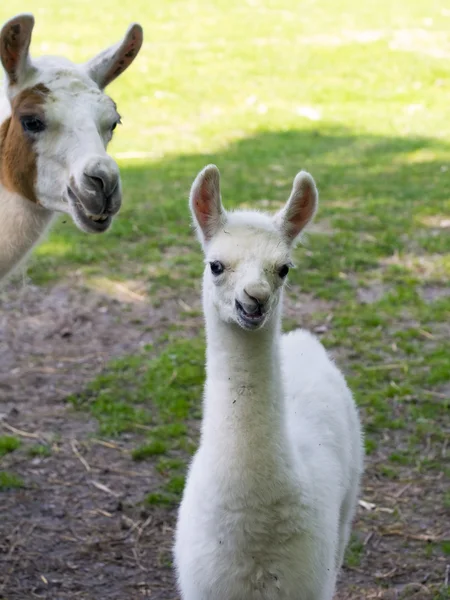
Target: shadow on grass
375, 193
369, 186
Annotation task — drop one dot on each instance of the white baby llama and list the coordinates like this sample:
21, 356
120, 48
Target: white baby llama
272, 490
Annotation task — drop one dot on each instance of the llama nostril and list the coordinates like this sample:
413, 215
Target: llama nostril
259, 297
255, 300
110, 185
97, 181
103, 183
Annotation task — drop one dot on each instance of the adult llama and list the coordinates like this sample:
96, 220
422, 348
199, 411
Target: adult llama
55, 125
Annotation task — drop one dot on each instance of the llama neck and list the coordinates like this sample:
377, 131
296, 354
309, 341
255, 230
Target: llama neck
243, 425
22, 223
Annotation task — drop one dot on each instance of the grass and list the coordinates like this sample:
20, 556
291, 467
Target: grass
39, 451
152, 448
8, 443
9, 481
171, 385
354, 552
158, 499
357, 96
446, 501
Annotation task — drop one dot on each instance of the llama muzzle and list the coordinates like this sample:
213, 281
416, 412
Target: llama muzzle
96, 196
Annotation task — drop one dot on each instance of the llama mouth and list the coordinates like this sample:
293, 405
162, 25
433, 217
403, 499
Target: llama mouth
86, 222
250, 320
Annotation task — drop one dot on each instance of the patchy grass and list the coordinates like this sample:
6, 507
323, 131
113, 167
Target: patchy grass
446, 500
158, 395
9, 481
354, 552
160, 499
39, 450
8, 444
376, 149
152, 448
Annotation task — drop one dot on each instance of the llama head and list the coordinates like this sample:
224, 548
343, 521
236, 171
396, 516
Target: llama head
57, 125
248, 253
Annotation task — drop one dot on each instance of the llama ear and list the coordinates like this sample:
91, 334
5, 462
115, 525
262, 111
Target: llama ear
15, 39
205, 203
113, 61
300, 208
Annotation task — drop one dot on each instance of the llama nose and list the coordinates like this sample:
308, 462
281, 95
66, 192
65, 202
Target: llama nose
258, 293
104, 181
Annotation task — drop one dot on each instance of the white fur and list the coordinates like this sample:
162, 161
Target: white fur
271, 492
71, 152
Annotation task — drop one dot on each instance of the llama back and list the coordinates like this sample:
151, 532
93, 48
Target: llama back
312, 380
322, 421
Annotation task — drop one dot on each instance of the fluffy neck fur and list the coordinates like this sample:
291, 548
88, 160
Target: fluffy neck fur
22, 223
244, 409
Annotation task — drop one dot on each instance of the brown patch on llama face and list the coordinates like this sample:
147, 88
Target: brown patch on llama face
18, 159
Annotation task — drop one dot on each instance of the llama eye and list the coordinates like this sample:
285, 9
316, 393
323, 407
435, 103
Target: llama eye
217, 267
32, 124
283, 271
114, 125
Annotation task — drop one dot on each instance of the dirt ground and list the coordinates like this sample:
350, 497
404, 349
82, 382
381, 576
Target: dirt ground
78, 529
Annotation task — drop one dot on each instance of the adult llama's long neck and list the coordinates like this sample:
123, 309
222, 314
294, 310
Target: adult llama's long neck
22, 223
244, 404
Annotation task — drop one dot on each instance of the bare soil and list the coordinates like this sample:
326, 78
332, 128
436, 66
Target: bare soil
79, 528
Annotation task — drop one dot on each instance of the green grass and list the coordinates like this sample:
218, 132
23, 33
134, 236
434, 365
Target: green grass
170, 494
354, 552
170, 383
158, 394
160, 499
233, 83
9, 481
39, 450
447, 500
229, 83
8, 444
152, 448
